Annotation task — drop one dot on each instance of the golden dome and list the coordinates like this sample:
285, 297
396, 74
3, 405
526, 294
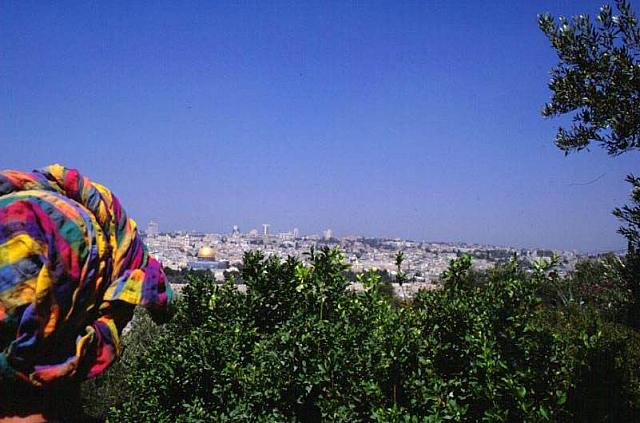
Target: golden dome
206, 253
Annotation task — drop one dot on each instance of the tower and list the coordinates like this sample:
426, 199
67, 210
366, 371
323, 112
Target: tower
153, 229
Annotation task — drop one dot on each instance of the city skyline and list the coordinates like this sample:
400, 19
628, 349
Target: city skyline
295, 232
423, 262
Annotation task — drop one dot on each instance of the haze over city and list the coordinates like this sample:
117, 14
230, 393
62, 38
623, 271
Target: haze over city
418, 121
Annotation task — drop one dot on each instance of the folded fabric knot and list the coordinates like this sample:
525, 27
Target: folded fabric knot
72, 268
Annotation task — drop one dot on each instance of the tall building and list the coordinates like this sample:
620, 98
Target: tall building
265, 229
153, 229
236, 230
296, 233
328, 234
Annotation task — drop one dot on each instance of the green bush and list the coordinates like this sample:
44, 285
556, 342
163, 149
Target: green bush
600, 284
299, 346
106, 391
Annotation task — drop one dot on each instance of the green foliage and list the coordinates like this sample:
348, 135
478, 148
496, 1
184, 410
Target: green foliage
299, 346
630, 215
598, 81
606, 380
600, 284
184, 276
597, 78
104, 392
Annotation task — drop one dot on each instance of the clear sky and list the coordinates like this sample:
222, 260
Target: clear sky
412, 119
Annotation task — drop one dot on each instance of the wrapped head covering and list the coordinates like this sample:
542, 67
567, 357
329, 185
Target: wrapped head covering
72, 268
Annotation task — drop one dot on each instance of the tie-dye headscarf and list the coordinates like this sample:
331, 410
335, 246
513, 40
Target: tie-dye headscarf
72, 267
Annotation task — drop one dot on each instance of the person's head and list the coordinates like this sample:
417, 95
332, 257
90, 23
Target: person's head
72, 268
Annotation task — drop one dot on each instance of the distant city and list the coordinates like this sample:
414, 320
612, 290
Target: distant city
424, 261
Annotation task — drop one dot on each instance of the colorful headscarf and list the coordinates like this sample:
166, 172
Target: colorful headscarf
72, 267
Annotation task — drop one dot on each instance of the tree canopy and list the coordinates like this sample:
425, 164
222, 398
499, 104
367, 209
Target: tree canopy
597, 79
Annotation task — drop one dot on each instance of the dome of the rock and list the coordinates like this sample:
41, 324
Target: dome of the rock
206, 253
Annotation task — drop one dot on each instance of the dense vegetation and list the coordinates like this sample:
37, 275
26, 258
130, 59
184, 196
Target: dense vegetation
510, 344
597, 82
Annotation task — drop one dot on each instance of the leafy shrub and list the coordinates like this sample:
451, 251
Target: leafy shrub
606, 382
299, 346
600, 284
100, 394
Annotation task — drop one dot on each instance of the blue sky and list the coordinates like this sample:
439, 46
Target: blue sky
418, 120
